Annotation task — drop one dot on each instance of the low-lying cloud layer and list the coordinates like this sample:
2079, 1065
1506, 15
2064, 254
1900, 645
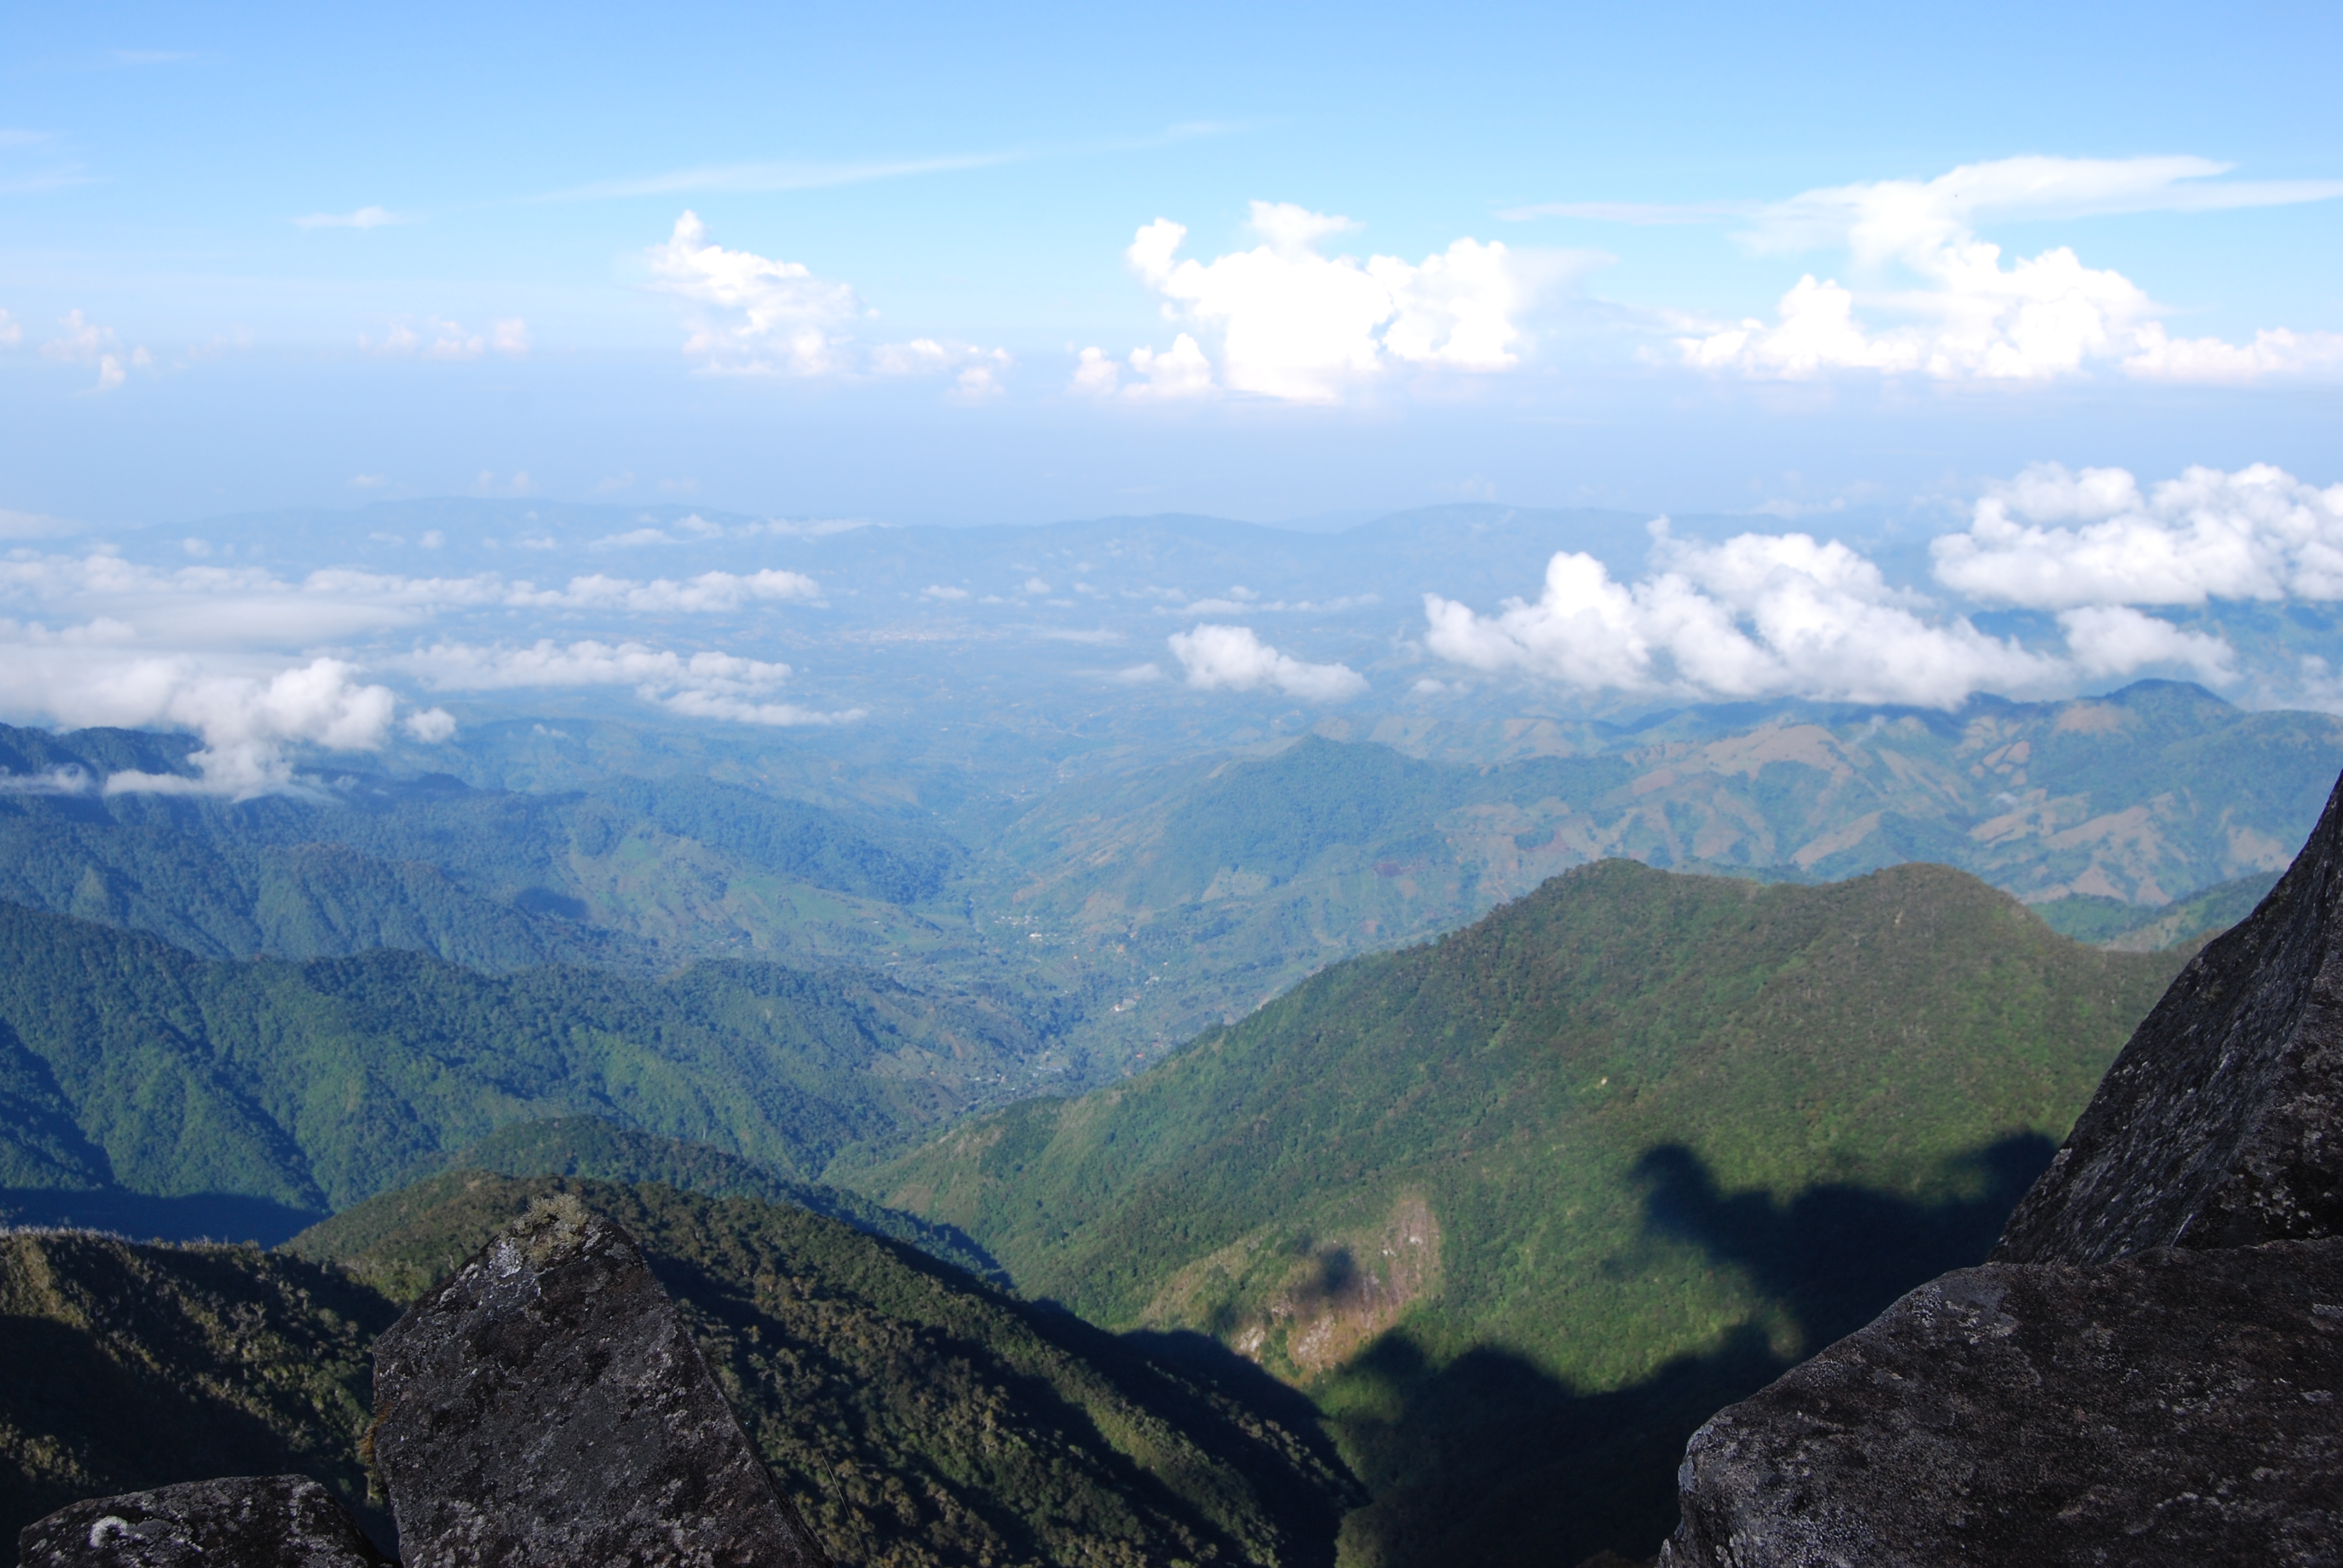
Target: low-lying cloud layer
1788, 615
705, 685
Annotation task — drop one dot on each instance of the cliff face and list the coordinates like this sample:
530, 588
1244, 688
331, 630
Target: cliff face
2148, 1370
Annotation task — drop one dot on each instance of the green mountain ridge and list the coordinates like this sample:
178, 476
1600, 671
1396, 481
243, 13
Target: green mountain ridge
1547, 1137
1201, 889
128, 1064
1124, 899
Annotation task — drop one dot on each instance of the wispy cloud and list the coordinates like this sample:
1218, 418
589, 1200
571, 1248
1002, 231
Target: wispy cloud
733, 179
2030, 186
1641, 213
803, 174
363, 217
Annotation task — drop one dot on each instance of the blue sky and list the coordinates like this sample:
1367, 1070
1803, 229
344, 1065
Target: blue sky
2013, 330
232, 244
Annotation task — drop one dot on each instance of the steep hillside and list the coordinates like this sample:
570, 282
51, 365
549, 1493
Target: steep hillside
126, 1064
1641, 1137
917, 1416
134, 1366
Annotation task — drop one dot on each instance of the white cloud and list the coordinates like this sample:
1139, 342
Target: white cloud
708, 593
1296, 323
1973, 317
510, 335
12, 331
707, 685
1885, 219
1179, 372
750, 314
1232, 657
2107, 640
365, 217
2053, 539
1788, 615
1095, 375
2275, 351
939, 591
69, 779
248, 723
367, 481
430, 725
1758, 615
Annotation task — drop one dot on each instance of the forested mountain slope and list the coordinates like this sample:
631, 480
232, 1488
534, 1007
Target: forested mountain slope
1220, 883
917, 1416
134, 1366
1634, 1122
126, 1063
632, 872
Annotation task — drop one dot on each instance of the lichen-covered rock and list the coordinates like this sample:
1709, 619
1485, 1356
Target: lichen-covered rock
2221, 1122
2178, 1408
239, 1522
546, 1406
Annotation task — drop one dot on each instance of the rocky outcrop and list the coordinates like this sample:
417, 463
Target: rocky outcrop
2221, 1122
2149, 1370
248, 1522
2176, 1408
547, 1406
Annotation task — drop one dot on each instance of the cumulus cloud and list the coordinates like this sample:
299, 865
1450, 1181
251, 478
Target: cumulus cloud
12, 331
1297, 324
1788, 615
705, 685
1758, 615
748, 313
1232, 658
2052, 540
1974, 317
248, 723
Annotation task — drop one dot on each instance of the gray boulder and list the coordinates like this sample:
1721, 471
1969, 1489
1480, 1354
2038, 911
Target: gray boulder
239, 1521
2221, 1122
546, 1406
2174, 1410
